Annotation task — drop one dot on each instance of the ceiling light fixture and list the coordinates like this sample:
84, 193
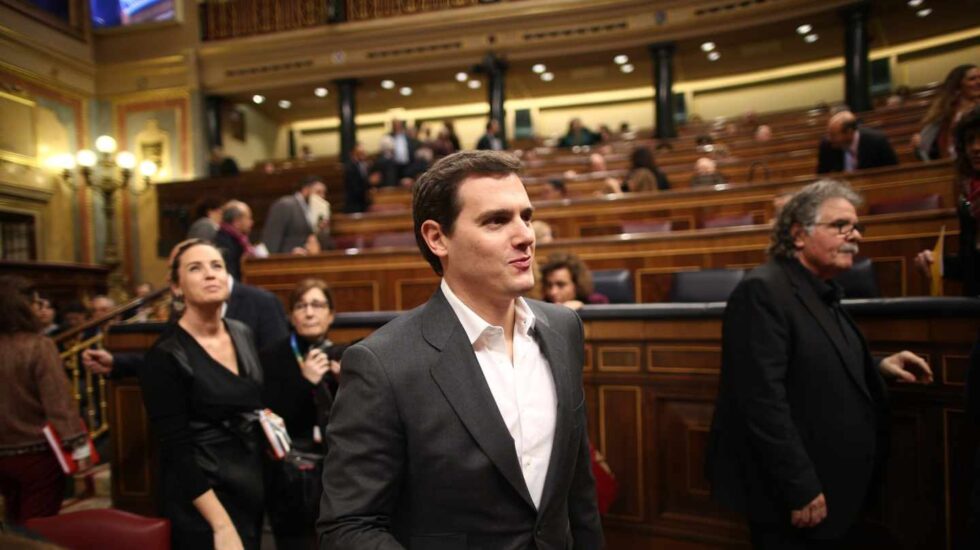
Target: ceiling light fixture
924, 12
547, 77
405, 90
811, 38
707, 46
627, 68
621, 59
258, 99
804, 29
321, 92
915, 3
539, 68
474, 84
714, 56
285, 104
388, 84
461, 76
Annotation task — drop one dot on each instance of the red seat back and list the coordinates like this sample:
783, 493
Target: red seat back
103, 529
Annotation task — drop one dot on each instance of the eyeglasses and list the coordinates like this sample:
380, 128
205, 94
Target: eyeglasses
845, 227
300, 306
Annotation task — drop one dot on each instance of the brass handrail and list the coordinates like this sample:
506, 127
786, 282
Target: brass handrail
73, 342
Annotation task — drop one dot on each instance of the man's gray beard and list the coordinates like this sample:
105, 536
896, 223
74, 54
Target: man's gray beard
851, 248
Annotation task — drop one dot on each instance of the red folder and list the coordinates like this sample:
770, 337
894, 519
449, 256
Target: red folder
66, 458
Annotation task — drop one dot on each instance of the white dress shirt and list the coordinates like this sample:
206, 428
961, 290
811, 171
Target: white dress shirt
523, 390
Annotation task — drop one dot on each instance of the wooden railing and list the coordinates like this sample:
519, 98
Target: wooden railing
88, 387
221, 19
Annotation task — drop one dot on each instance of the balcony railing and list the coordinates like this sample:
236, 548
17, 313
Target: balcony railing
360, 10
221, 19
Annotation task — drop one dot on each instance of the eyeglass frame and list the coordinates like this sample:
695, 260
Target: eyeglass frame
841, 224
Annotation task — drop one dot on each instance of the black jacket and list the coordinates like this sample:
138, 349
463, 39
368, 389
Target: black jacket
261, 311
799, 412
874, 150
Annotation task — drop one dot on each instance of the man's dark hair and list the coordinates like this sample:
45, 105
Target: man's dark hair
436, 193
965, 132
206, 205
308, 181
558, 185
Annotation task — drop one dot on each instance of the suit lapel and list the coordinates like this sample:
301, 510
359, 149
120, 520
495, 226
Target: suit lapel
554, 347
808, 295
458, 375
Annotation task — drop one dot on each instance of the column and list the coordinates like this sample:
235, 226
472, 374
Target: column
348, 110
496, 69
663, 84
857, 66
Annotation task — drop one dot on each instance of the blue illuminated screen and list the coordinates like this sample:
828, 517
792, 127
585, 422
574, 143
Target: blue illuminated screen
121, 13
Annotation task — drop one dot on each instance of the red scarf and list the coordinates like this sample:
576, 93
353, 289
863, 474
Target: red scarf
249, 250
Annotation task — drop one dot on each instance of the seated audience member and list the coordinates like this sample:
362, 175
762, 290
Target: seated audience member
450, 129
597, 162
384, 173
306, 152
848, 146
74, 314
706, 173
356, 181
421, 163
443, 144
555, 190
763, 133
301, 378
145, 312
221, 164
45, 312
542, 232
605, 134
207, 219
289, 224
959, 94
567, 281
102, 305
232, 238
644, 175
34, 390
965, 264
897, 99
625, 132
577, 135
490, 141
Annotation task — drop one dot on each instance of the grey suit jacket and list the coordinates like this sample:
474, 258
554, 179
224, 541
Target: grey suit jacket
420, 456
286, 226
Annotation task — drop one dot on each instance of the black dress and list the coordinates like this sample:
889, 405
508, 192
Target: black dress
203, 416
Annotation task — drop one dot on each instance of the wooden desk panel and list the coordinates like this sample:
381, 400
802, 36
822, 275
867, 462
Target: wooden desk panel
399, 278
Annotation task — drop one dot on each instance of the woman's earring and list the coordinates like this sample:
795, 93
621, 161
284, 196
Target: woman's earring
178, 303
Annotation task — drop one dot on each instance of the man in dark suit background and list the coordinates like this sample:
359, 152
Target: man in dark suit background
848, 147
232, 238
356, 181
287, 227
489, 141
796, 437
461, 424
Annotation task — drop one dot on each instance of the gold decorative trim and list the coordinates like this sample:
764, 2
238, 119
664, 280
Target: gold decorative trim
634, 351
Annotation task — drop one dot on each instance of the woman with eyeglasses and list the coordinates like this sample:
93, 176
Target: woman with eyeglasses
202, 383
301, 379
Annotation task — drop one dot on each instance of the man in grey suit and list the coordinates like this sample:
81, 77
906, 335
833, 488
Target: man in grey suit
287, 227
461, 424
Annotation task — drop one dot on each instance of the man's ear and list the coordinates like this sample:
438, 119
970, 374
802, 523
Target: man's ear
798, 232
434, 238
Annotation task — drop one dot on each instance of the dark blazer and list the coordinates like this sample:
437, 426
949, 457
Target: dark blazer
874, 150
486, 143
419, 456
356, 187
286, 226
798, 413
232, 252
261, 311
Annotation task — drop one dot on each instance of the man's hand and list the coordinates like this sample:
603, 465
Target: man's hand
98, 361
811, 514
906, 366
923, 262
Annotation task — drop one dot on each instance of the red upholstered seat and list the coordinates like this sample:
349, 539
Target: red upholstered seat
103, 529
906, 204
729, 221
654, 226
